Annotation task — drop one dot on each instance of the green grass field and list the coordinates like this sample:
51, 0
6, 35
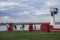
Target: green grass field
25, 35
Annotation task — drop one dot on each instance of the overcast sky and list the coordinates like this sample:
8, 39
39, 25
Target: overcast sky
27, 10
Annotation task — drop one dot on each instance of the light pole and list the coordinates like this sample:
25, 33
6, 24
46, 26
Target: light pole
53, 11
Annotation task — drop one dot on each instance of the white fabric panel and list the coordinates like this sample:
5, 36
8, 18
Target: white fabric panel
3, 27
18, 27
26, 27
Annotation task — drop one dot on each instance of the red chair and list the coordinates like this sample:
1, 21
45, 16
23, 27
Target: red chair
10, 27
30, 27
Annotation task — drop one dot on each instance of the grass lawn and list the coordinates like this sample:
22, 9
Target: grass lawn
25, 35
